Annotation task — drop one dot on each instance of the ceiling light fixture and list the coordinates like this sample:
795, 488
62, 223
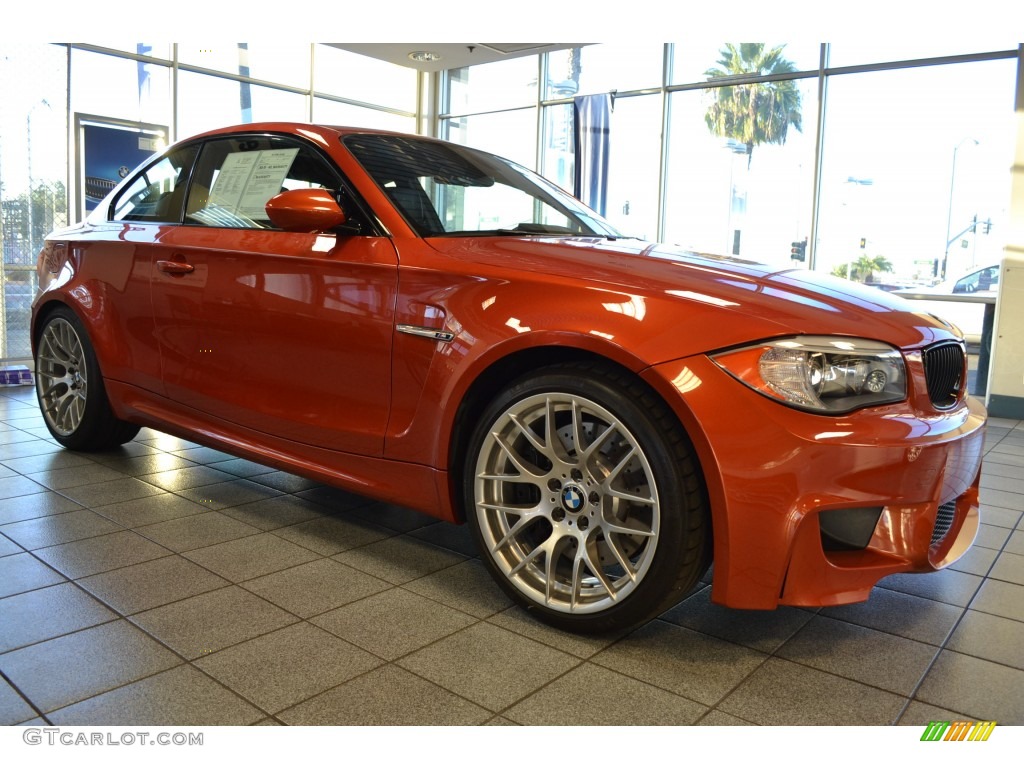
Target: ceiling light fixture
425, 56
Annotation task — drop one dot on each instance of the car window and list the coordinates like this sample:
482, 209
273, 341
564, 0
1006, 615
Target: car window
235, 177
983, 280
445, 189
158, 192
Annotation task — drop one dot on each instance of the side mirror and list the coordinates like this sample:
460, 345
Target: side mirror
305, 210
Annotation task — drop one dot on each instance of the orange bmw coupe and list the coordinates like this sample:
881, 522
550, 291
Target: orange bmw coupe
440, 328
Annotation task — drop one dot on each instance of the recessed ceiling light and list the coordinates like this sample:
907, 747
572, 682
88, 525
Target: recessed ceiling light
425, 56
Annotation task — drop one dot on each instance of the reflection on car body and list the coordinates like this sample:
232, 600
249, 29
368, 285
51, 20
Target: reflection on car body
439, 328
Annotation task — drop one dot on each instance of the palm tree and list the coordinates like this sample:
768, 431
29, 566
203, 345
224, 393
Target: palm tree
754, 113
864, 268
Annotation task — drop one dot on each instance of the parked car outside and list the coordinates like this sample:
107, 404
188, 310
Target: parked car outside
966, 315
437, 327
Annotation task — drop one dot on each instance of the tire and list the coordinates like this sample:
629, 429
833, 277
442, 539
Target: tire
69, 387
594, 540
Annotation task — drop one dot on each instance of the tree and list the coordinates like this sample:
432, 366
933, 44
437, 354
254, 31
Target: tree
864, 268
754, 113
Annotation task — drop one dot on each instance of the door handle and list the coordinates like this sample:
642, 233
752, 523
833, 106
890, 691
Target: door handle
174, 267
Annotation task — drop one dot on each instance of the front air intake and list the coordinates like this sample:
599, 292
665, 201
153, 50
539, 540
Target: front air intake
943, 520
944, 372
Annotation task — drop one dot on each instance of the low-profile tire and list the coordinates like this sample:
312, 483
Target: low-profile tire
585, 499
69, 387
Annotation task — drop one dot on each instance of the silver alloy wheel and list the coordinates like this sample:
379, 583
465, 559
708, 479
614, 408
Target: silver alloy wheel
61, 377
566, 503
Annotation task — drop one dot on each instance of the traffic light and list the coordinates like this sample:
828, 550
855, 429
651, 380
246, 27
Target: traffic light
798, 250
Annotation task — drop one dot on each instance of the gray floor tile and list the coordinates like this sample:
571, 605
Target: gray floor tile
290, 665
899, 613
866, 655
783, 693
203, 455
58, 529
331, 535
250, 557
982, 690
149, 510
997, 482
147, 464
190, 477
229, 494
111, 492
990, 637
393, 623
47, 462
1000, 598
467, 587
501, 721
277, 512
8, 547
719, 718
31, 617
36, 505
151, 584
100, 553
22, 572
489, 665
13, 708
285, 482
32, 447
1009, 567
604, 692
991, 536
976, 560
393, 517
948, 586
921, 714
164, 442
399, 559
209, 622
1004, 518
761, 630
386, 696
1005, 499
457, 538
315, 587
187, 533
334, 499
691, 664
11, 487
517, 620
1015, 543
60, 672
182, 696
241, 468
85, 474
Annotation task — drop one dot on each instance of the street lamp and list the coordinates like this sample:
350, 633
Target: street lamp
949, 215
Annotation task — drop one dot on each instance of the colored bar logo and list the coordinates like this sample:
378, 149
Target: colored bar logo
939, 730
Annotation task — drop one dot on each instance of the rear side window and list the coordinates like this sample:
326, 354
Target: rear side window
158, 192
235, 177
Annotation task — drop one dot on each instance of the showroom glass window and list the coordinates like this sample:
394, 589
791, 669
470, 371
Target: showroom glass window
234, 179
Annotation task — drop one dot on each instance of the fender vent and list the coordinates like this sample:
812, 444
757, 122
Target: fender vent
943, 520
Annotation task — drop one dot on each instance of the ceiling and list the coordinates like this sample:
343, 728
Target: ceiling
452, 55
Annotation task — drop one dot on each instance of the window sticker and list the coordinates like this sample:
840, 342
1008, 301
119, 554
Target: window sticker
248, 179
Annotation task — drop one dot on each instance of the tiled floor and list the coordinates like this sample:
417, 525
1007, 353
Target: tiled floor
166, 583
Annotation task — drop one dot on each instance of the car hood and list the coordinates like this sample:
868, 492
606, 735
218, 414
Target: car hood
787, 301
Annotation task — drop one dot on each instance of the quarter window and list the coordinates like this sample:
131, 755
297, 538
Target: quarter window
157, 193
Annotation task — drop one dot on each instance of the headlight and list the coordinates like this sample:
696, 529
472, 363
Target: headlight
824, 374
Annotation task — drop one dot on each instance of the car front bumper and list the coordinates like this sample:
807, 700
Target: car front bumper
772, 472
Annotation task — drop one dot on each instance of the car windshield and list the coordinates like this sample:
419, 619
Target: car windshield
448, 190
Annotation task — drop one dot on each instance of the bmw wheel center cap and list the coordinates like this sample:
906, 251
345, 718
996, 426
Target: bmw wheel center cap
573, 498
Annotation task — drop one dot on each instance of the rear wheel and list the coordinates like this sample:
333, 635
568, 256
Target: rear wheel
70, 388
585, 500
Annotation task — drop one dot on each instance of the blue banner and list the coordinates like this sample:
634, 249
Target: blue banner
591, 134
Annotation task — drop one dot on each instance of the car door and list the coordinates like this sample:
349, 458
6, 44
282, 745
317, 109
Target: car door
285, 333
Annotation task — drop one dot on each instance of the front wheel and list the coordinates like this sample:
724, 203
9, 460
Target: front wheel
70, 389
585, 499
